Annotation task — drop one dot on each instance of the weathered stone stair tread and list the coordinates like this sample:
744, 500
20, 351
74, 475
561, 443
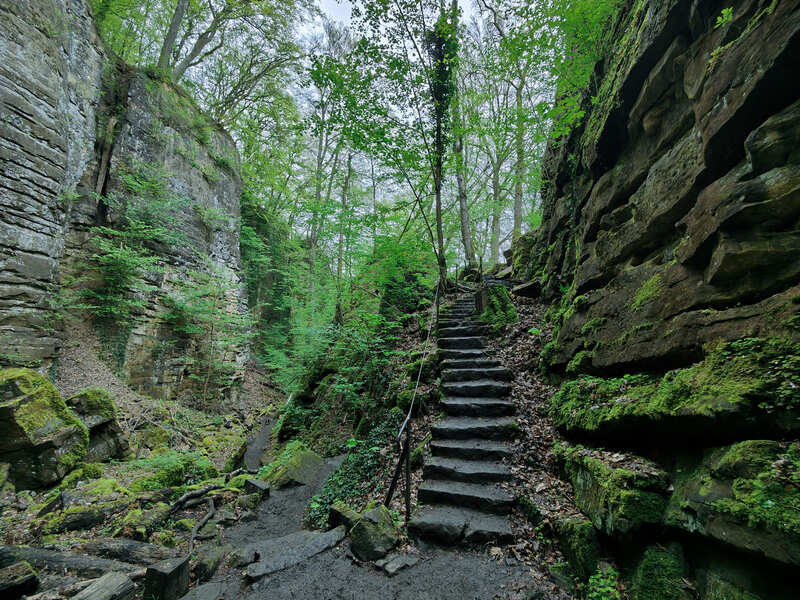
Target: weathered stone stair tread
472, 427
460, 353
472, 449
463, 343
477, 407
486, 497
450, 525
469, 363
462, 331
475, 374
468, 471
477, 388
447, 323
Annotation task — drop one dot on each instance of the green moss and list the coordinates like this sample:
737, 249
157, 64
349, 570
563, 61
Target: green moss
39, 410
593, 325
95, 401
580, 363
500, 311
659, 575
104, 487
530, 510
417, 457
238, 481
578, 540
171, 469
617, 500
734, 376
649, 290
769, 498
295, 462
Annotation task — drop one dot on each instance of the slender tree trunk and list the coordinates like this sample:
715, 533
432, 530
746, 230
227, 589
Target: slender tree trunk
437, 184
463, 209
497, 211
342, 220
172, 35
519, 164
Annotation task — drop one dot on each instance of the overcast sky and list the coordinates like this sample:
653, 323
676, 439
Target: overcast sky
339, 10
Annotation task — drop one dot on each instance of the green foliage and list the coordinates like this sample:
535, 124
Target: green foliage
355, 475
500, 311
603, 585
725, 17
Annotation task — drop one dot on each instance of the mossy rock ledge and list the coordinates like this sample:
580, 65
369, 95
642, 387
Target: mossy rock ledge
617, 500
745, 495
41, 439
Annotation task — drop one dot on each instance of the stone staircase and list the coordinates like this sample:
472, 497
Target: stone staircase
460, 497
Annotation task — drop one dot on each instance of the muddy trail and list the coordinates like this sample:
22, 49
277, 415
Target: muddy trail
281, 543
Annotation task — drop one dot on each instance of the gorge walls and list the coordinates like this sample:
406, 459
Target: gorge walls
670, 245
86, 141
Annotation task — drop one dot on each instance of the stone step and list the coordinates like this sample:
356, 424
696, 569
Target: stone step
461, 353
470, 363
468, 471
446, 323
463, 428
471, 449
451, 525
480, 388
458, 406
495, 373
490, 498
462, 343
462, 331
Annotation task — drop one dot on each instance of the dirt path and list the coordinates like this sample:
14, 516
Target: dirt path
334, 574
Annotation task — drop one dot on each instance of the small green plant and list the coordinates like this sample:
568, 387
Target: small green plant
603, 585
724, 18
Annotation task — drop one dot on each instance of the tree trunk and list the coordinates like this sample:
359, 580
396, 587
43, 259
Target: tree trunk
461, 181
172, 35
519, 164
437, 184
342, 220
497, 211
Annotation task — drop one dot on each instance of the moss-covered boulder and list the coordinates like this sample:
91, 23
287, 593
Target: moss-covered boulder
97, 410
172, 469
341, 513
738, 384
40, 438
618, 493
578, 540
374, 535
76, 518
746, 495
139, 524
660, 575
296, 465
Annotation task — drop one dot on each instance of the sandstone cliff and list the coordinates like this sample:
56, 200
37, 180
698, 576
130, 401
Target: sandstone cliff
670, 244
77, 129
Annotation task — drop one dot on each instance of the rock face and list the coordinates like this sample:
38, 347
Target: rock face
50, 84
670, 247
77, 130
40, 438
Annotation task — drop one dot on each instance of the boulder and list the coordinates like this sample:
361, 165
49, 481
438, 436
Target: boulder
129, 551
297, 465
341, 513
40, 438
18, 580
209, 559
167, 580
96, 409
374, 535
